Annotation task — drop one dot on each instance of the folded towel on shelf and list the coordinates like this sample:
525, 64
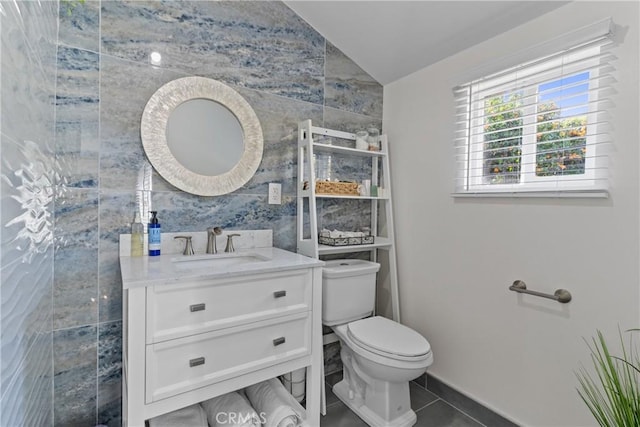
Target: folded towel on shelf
337, 233
230, 410
274, 403
191, 416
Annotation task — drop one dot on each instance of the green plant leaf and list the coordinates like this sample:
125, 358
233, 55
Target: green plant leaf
613, 393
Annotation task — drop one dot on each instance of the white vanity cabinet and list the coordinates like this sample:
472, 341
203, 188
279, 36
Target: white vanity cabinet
192, 335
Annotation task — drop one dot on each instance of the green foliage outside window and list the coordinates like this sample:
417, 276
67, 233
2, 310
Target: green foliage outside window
560, 142
502, 139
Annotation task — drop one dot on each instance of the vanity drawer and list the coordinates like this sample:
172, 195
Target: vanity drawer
185, 364
175, 311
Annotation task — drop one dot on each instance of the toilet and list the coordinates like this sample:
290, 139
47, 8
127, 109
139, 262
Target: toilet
379, 356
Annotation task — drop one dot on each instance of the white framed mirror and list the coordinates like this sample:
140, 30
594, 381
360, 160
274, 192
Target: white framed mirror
201, 136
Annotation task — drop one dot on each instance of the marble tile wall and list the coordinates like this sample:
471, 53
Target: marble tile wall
275, 60
28, 32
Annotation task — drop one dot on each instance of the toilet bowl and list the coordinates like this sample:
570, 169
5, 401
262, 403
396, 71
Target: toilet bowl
377, 367
386, 349
379, 356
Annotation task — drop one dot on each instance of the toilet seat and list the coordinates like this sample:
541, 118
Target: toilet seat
389, 339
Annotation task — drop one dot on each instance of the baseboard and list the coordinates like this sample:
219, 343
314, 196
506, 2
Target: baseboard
463, 402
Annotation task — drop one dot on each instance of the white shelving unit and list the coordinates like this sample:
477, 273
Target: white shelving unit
307, 244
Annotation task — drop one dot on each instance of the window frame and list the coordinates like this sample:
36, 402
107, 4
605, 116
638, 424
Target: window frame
501, 81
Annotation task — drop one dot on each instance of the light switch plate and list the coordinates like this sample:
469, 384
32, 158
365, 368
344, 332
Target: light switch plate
275, 193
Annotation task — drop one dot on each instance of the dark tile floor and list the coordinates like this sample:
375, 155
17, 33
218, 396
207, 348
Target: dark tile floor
432, 411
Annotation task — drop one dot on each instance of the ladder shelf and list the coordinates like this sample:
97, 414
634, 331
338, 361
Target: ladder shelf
307, 243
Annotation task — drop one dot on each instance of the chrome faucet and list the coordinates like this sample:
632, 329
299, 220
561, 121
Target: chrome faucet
212, 232
229, 247
188, 246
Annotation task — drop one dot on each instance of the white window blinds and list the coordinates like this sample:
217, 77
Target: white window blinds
539, 127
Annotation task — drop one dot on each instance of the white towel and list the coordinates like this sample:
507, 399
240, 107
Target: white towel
230, 410
191, 416
274, 403
341, 234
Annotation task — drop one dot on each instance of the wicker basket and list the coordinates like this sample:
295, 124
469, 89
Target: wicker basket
339, 188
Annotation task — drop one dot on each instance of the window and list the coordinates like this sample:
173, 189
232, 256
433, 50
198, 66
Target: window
538, 127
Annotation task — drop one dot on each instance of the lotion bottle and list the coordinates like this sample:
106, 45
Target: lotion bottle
154, 235
137, 236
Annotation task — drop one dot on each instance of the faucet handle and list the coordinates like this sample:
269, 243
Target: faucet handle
229, 247
188, 247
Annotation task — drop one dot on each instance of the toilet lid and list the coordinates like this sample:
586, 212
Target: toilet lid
383, 335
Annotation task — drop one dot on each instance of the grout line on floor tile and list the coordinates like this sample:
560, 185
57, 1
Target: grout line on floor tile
418, 385
327, 388
329, 405
428, 404
463, 412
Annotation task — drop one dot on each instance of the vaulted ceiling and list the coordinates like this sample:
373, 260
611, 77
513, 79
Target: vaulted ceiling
392, 39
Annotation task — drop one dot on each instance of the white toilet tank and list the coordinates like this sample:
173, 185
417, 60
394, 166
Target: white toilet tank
348, 290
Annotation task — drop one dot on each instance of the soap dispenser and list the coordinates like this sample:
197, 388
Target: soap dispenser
154, 235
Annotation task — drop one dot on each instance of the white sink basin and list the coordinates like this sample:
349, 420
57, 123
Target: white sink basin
217, 261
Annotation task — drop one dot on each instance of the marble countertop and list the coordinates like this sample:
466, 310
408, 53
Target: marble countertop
170, 268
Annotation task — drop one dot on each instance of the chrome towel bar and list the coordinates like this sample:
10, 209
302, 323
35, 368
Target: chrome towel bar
561, 295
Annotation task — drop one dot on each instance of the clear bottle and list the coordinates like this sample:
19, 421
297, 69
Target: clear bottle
323, 162
137, 236
373, 139
361, 140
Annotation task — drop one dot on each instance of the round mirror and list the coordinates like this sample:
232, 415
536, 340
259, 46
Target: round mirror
205, 137
201, 136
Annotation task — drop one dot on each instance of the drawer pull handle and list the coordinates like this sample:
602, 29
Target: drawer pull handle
279, 294
196, 362
196, 307
278, 341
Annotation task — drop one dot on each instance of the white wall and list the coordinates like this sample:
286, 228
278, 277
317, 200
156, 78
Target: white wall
457, 257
